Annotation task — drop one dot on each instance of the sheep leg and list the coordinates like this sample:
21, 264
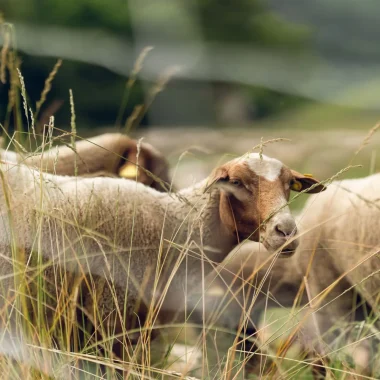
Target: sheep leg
323, 314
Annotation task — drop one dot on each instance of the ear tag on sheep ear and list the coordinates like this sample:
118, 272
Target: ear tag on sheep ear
308, 175
128, 170
296, 185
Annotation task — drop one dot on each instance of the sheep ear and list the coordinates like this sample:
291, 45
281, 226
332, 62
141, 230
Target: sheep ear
153, 161
127, 167
150, 159
303, 182
217, 178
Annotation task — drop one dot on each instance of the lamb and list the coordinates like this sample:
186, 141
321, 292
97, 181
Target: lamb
342, 247
131, 245
248, 282
340, 244
237, 280
110, 154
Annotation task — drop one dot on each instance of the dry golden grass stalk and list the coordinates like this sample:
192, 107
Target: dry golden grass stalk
137, 111
4, 51
162, 81
261, 148
47, 86
131, 81
50, 131
138, 66
73, 129
13, 63
32, 126
73, 117
141, 110
367, 139
270, 141
14, 141
23, 94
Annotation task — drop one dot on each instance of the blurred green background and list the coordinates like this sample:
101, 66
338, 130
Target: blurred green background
220, 75
238, 62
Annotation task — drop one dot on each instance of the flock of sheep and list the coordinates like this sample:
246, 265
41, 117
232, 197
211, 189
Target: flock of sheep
136, 253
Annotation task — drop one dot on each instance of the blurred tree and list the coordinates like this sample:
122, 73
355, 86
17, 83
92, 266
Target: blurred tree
98, 91
242, 21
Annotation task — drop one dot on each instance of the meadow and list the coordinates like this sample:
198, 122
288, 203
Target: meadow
337, 143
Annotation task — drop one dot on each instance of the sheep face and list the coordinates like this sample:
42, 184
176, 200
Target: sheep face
253, 201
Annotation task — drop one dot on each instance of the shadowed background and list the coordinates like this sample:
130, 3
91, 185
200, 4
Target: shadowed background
214, 76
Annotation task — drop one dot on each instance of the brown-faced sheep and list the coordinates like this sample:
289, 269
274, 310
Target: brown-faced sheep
135, 249
337, 255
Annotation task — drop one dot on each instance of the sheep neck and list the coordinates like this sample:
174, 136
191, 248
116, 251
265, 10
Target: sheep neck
202, 225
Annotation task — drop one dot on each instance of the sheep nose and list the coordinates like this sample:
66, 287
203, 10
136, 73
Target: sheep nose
286, 228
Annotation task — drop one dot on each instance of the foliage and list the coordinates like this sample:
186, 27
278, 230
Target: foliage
98, 92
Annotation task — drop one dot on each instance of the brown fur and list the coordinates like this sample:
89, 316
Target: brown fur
236, 212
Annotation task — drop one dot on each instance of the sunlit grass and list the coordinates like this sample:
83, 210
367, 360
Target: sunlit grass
60, 330
43, 305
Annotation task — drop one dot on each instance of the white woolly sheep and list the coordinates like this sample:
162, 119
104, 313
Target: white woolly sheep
8, 155
339, 245
110, 154
136, 246
342, 251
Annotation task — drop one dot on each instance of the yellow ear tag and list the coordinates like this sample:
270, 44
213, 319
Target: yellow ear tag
308, 175
128, 170
296, 186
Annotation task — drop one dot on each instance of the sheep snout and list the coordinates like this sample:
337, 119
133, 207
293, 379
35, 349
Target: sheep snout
280, 234
286, 227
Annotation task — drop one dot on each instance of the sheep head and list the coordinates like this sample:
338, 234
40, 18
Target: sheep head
138, 167
254, 192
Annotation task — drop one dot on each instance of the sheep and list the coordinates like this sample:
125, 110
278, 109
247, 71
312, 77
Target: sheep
247, 262
110, 154
8, 155
342, 249
249, 281
339, 245
130, 242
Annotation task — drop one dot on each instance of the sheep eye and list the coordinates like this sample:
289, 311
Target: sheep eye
235, 182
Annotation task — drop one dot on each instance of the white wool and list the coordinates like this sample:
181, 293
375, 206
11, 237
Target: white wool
266, 167
119, 231
101, 155
117, 211
7, 155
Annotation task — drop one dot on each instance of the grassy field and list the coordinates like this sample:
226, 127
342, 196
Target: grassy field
41, 336
46, 350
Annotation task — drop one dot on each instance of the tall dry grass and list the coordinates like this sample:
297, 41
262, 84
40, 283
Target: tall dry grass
47, 331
